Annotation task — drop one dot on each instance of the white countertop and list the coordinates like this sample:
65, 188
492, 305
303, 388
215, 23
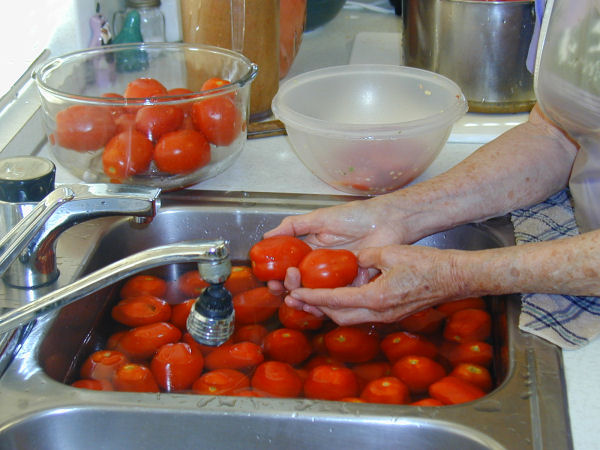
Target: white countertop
331, 45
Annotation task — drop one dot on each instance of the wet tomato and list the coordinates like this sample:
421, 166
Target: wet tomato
221, 382
427, 402
94, 385
427, 321
113, 339
322, 360
84, 128
451, 391
181, 151
418, 372
351, 344
144, 284
464, 303
272, 256
154, 121
191, 284
102, 364
238, 356
241, 279
214, 83
278, 379
127, 153
176, 366
402, 343
142, 342
135, 378
297, 319
468, 325
477, 352
328, 268
253, 332
144, 88
255, 305
474, 374
388, 390
330, 383
218, 119
180, 313
141, 310
369, 371
287, 345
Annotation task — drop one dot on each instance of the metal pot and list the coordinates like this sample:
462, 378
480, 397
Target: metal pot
481, 45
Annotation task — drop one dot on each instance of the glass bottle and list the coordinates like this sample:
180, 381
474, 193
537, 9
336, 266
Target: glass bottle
152, 20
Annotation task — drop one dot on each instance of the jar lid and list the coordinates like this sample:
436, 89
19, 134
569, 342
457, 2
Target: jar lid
143, 3
26, 179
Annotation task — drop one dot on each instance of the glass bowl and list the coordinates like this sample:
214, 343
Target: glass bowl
163, 115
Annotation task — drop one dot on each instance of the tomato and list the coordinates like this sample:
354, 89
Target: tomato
255, 305
191, 284
241, 279
135, 378
272, 256
389, 390
142, 342
468, 325
218, 119
330, 383
418, 372
176, 366
239, 356
451, 391
182, 151
351, 344
141, 310
125, 122
94, 385
322, 360
401, 343
154, 121
221, 382
118, 99
144, 284
102, 364
127, 153
287, 345
214, 83
253, 332
427, 321
113, 339
477, 352
352, 400
84, 128
145, 88
474, 374
456, 305
297, 319
278, 379
427, 402
369, 371
328, 268
180, 313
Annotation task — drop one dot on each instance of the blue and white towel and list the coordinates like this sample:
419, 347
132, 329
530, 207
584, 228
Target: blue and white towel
567, 321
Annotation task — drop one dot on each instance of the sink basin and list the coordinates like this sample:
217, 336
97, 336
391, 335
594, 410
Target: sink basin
527, 409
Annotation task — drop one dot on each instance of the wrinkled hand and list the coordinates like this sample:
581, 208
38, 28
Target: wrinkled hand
412, 278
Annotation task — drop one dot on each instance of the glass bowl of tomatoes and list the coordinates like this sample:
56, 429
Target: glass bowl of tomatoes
367, 128
166, 115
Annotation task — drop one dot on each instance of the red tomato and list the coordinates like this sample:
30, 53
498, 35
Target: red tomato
328, 268
272, 256
135, 378
145, 88
241, 279
214, 83
191, 284
477, 352
218, 119
181, 91
144, 284
113, 340
468, 325
451, 391
278, 379
182, 151
176, 366
474, 374
221, 382
369, 371
427, 402
253, 332
297, 319
418, 372
154, 121
465, 303
240, 356
330, 383
427, 321
102, 364
142, 342
84, 128
389, 390
255, 305
125, 122
118, 99
94, 385
351, 344
141, 310
127, 153
180, 313
322, 360
397, 345
287, 345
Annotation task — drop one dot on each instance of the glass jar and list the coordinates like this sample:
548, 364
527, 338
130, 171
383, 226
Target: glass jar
152, 20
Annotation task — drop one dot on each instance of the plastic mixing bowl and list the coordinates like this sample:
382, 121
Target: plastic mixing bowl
368, 129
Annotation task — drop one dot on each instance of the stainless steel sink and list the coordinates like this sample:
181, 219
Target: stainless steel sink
528, 409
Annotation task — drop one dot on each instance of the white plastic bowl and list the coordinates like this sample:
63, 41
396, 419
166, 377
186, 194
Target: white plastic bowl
368, 129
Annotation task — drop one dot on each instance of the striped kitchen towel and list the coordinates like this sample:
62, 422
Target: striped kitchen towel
565, 320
